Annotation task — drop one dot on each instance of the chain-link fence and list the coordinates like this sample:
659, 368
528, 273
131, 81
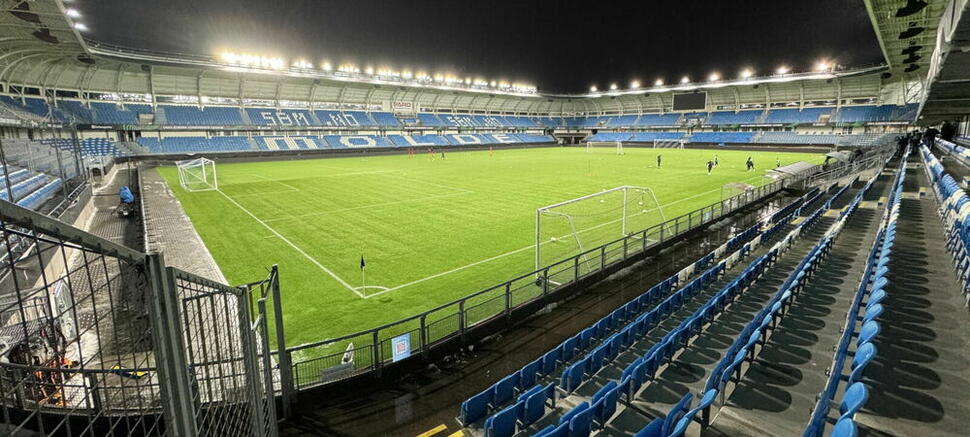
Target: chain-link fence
99, 339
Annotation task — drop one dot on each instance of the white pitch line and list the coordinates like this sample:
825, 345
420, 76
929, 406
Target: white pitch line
294, 246
531, 246
373, 205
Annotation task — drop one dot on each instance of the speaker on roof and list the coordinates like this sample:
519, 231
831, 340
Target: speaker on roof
911, 68
911, 49
44, 34
911, 32
912, 7
887, 75
913, 57
22, 11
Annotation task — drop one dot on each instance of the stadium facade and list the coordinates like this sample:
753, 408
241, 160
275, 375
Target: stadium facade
117, 327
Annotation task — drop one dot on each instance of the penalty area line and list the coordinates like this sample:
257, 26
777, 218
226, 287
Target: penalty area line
294, 246
531, 246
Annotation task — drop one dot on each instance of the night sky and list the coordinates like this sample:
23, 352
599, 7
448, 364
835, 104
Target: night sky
559, 46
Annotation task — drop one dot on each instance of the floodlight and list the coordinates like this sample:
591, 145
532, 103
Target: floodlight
822, 66
685, 79
746, 73
81, 27
714, 77
73, 13
659, 82
327, 66
783, 70
593, 89
369, 70
613, 86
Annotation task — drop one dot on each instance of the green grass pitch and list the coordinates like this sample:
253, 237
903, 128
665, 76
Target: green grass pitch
431, 230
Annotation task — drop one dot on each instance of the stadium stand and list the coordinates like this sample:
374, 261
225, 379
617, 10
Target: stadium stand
195, 144
796, 116
385, 119
881, 113
953, 200
796, 138
208, 116
722, 137
731, 117
658, 120
606, 361
871, 289
113, 113
281, 117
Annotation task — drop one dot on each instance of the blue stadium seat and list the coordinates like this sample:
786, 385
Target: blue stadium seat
653, 429
207, 116
731, 117
560, 430
844, 428
863, 356
852, 401
529, 373
475, 408
501, 424
579, 419
504, 390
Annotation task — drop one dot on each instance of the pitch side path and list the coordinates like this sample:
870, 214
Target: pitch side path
430, 229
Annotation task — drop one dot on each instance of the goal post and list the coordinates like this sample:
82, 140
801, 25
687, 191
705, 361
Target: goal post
593, 145
668, 144
197, 174
571, 227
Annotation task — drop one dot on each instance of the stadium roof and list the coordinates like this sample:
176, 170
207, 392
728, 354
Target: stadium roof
42, 48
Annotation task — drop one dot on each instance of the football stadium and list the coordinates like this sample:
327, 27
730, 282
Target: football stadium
447, 219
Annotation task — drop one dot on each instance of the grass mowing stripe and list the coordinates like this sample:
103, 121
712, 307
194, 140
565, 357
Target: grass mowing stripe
409, 241
295, 247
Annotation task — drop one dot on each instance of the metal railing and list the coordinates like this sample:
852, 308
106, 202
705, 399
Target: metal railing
332, 360
97, 338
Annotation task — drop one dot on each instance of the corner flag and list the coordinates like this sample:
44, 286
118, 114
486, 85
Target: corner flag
363, 273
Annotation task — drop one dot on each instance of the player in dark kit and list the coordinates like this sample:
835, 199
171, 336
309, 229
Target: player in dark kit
659, 161
710, 166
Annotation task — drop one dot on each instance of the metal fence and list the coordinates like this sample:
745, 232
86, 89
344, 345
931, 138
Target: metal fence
333, 360
99, 339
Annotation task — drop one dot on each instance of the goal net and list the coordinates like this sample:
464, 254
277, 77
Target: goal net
197, 174
569, 228
605, 145
668, 144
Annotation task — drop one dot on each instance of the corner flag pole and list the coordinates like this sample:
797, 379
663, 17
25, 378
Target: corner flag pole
363, 272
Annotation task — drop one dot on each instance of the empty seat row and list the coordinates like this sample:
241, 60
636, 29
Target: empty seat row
37, 198
642, 369
755, 334
751, 336
25, 187
194, 144
959, 153
864, 329
499, 394
954, 211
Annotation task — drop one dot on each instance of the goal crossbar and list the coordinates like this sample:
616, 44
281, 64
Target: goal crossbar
574, 232
590, 145
197, 174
